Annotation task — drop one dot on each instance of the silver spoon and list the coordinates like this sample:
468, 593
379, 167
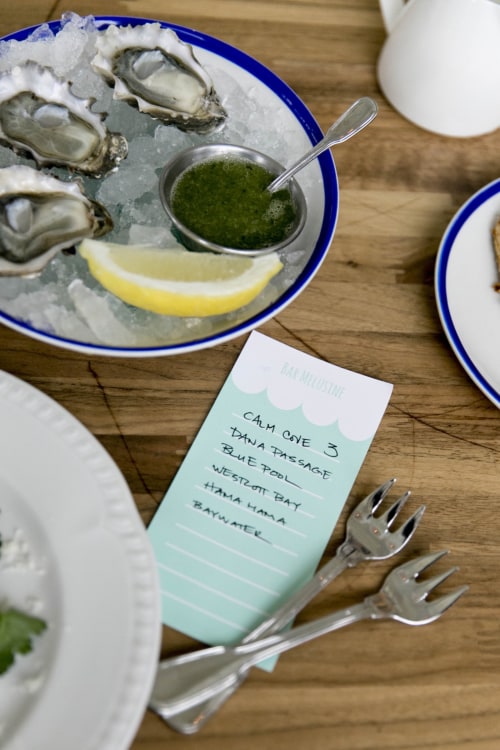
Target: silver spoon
357, 117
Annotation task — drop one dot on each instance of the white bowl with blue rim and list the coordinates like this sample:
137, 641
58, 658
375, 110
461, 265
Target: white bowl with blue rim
135, 333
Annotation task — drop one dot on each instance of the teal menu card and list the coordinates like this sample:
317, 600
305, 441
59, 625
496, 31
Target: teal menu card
249, 513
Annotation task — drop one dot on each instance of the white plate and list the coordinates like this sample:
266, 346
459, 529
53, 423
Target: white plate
89, 572
468, 305
290, 117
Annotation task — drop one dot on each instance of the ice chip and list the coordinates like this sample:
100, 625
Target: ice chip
114, 323
42, 34
154, 236
94, 309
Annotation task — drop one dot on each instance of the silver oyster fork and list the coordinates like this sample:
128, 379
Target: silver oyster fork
187, 679
367, 538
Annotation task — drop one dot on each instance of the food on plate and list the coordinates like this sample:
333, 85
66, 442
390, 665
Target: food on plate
40, 115
175, 281
17, 631
40, 215
54, 292
224, 200
149, 66
496, 247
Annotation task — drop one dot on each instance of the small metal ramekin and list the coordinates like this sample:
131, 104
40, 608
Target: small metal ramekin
196, 154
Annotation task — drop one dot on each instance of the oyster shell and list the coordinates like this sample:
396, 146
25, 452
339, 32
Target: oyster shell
40, 215
149, 66
39, 115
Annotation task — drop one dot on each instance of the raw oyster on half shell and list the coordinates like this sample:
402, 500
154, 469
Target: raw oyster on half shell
149, 66
40, 116
40, 215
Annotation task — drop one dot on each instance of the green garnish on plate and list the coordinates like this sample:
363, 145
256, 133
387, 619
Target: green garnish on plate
17, 631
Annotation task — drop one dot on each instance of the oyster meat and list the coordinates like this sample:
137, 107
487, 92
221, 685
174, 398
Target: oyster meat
40, 116
40, 215
149, 66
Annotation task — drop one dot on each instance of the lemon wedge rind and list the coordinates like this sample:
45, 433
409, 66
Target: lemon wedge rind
175, 281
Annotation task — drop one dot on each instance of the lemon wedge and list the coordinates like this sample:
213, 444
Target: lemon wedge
175, 281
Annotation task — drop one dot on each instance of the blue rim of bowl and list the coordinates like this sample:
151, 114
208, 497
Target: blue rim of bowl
441, 270
330, 187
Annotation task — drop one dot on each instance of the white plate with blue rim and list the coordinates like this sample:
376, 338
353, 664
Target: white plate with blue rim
465, 275
75, 553
80, 318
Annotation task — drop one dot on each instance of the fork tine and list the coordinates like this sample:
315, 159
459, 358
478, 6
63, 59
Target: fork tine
438, 606
391, 514
371, 502
405, 533
412, 568
430, 584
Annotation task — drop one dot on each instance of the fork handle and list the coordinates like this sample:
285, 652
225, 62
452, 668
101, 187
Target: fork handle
300, 598
185, 681
189, 720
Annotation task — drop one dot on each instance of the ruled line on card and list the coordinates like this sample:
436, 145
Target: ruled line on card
211, 589
286, 551
253, 441
236, 552
203, 611
200, 511
264, 516
230, 574
296, 487
268, 495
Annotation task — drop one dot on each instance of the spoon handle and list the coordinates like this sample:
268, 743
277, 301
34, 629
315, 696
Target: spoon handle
354, 119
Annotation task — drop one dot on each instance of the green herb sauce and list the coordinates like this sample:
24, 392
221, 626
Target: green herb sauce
224, 200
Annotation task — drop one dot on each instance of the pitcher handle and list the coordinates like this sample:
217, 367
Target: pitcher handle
391, 10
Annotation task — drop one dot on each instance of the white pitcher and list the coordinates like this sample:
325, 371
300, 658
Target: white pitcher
440, 64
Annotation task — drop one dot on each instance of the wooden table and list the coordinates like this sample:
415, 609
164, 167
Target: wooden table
371, 309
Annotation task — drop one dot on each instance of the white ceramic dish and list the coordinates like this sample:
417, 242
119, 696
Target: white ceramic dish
468, 305
321, 194
88, 570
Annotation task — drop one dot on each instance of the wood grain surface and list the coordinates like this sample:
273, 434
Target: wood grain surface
371, 308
